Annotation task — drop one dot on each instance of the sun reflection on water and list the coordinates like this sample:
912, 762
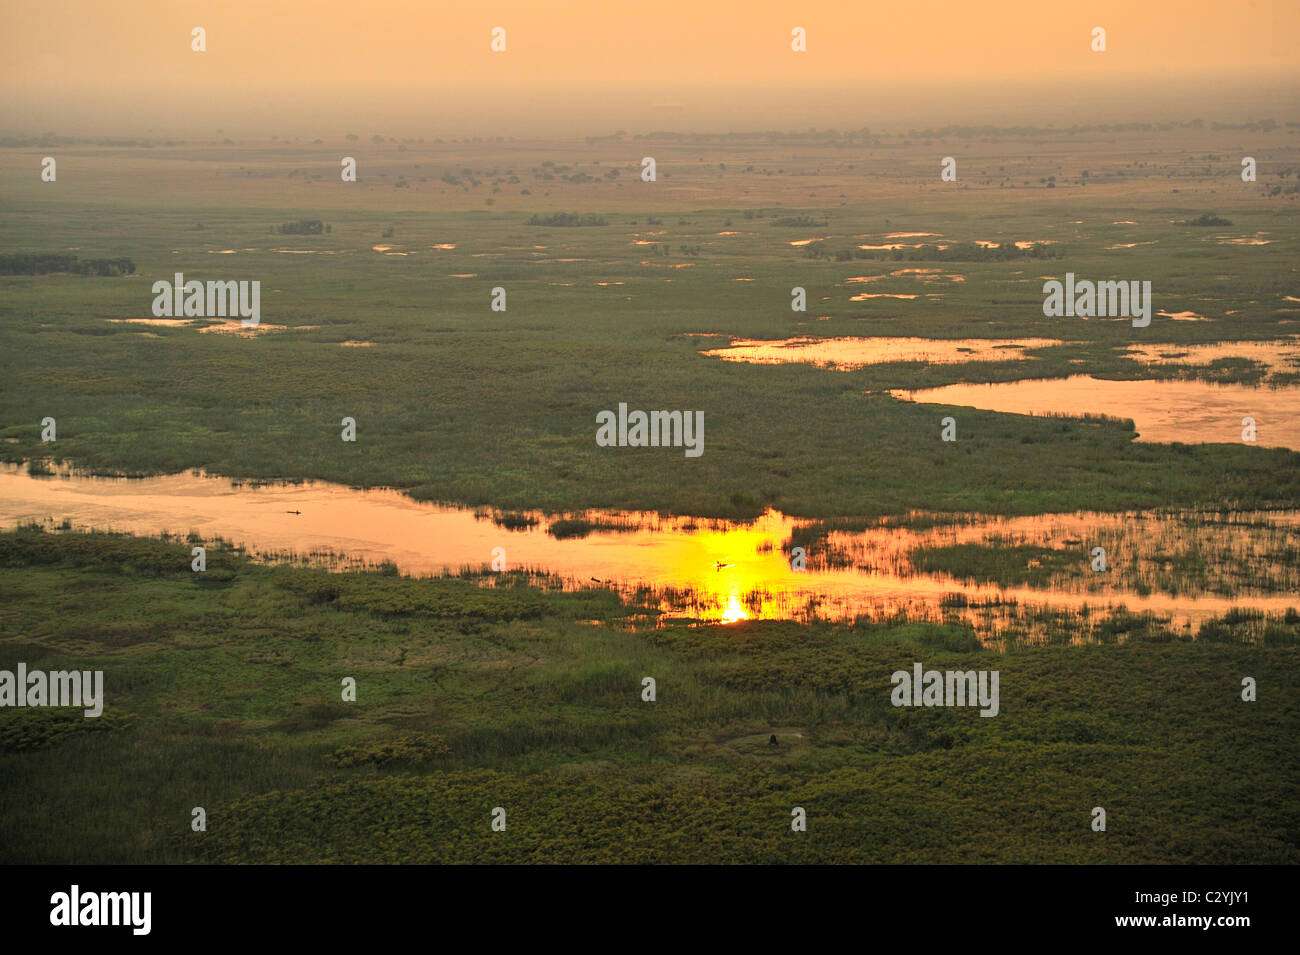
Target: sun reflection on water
734, 612
693, 569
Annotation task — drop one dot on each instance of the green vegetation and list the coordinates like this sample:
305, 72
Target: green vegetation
47, 263
567, 527
513, 521
567, 219
1006, 251
993, 561
457, 403
223, 688
1184, 554
229, 698
802, 222
303, 227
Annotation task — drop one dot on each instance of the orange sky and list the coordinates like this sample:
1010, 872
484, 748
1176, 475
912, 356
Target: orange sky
62, 53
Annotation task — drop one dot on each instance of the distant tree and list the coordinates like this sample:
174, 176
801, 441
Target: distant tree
567, 219
302, 227
43, 263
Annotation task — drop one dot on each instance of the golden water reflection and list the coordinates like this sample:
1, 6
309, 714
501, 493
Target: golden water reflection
857, 352
689, 567
1186, 411
1282, 355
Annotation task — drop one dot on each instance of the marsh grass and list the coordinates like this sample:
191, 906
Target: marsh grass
477, 691
1175, 553
524, 387
471, 696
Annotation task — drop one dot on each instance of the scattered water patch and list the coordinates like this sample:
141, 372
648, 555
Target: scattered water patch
712, 570
164, 322
1190, 412
848, 353
1276, 356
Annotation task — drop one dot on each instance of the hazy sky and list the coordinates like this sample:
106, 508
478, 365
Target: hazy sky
584, 65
